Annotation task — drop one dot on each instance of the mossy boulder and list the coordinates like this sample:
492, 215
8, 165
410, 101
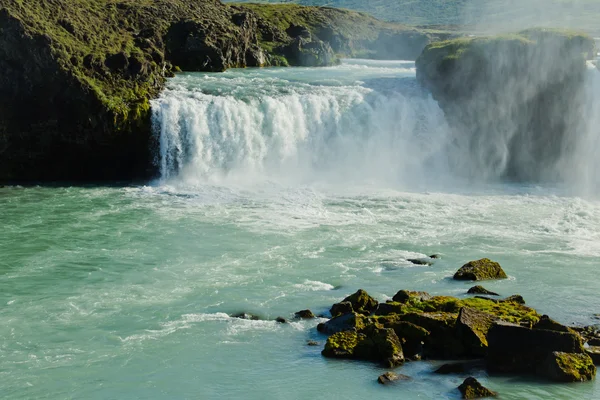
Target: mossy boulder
372, 344
341, 308
568, 367
346, 322
304, 314
480, 270
513, 100
405, 296
549, 324
481, 290
472, 389
360, 301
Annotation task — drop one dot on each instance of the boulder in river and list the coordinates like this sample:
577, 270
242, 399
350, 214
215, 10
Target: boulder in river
480, 270
360, 301
390, 377
305, 314
341, 308
472, 389
346, 322
481, 290
373, 344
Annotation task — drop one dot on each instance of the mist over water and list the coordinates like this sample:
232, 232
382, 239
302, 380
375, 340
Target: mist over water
363, 122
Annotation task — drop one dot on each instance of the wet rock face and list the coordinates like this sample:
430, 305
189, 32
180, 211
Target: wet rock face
516, 349
472, 327
472, 389
568, 367
517, 130
480, 270
481, 290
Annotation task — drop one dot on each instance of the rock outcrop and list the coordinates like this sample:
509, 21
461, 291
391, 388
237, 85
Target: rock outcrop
513, 101
472, 389
505, 336
480, 270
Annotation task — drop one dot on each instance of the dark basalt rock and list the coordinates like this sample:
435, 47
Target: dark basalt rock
352, 321
404, 296
472, 389
567, 367
480, 270
515, 349
481, 290
549, 324
472, 327
359, 302
594, 353
515, 298
281, 320
372, 344
309, 52
345, 307
304, 314
390, 377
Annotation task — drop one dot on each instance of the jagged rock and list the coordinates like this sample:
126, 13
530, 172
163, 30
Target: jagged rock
515, 298
472, 389
281, 320
389, 307
403, 296
352, 321
298, 31
549, 324
390, 377
594, 353
515, 349
412, 337
567, 367
442, 342
341, 308
360, 301
480, 270
304, 314
472, 327
481, 290
372, 344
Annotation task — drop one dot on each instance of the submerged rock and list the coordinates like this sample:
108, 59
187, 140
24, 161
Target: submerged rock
390, 377
305, 314
281, 320
479, 270
481, 290
312, 343
459, 367
472, 389
568, 367
420, 261
247, 316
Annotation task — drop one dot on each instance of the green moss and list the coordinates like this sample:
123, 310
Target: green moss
574, 367
342, 344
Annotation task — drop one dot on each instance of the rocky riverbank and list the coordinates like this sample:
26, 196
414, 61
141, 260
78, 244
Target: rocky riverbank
78, 76
502, 336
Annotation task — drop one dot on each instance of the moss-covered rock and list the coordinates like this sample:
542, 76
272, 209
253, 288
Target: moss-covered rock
472, 327
480, 270
548, 323
405, 296
472, 389
346, 322
360, 301
568, 367
373, 344
513, 99
481, 290
594, 353
304, 314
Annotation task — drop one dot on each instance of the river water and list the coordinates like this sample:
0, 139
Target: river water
280, 190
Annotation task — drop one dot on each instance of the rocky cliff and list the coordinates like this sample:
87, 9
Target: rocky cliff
77, 75
515, 101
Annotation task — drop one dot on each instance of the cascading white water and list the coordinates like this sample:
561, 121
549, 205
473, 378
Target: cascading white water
363, 121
